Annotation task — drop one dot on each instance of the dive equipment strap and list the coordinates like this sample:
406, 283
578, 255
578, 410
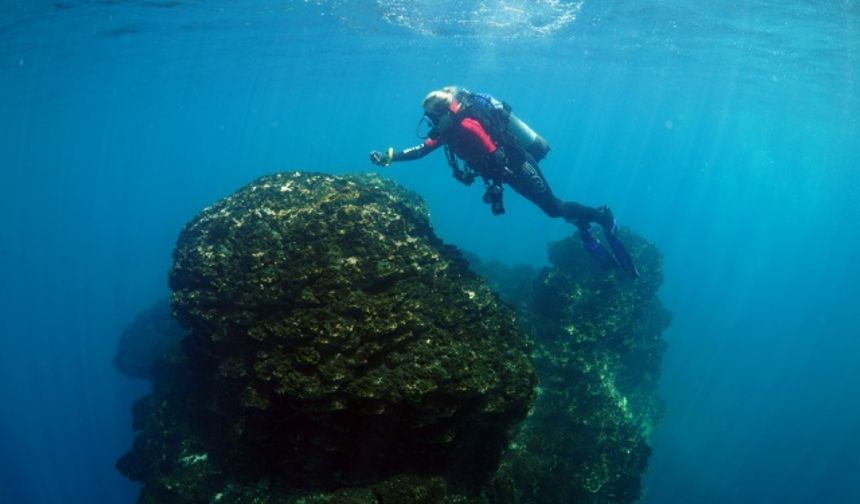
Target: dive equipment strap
464, 175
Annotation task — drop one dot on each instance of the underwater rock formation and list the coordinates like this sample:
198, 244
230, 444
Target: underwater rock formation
597, 348
146, 344
337, 351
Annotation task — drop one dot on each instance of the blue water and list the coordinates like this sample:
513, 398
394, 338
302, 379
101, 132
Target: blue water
728, 134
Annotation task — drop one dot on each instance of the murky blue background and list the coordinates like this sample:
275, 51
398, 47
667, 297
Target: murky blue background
727, 134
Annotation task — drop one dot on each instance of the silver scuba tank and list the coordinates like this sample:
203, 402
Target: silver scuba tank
528, 139
533, 143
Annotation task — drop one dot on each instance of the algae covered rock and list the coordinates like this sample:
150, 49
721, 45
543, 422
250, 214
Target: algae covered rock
597, 348
337, 352
148, 342
333, 341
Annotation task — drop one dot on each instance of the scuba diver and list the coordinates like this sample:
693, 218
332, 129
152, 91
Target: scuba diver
500, 148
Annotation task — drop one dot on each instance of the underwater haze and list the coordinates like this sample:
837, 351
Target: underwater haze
726, 132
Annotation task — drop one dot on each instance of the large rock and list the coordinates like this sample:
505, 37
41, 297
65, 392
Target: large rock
334, 341
148, 343
597, 348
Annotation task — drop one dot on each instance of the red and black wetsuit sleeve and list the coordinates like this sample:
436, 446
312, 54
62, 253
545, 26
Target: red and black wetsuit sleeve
480, 141
417, 151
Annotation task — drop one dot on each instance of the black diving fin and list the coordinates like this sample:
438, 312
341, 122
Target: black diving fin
595, 250
625, 262
606, 261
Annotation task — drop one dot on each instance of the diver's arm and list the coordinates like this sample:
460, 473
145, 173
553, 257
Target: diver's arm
417, 151
475, 129
414, 152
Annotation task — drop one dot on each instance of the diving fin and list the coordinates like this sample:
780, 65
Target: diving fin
625, 262
595, 250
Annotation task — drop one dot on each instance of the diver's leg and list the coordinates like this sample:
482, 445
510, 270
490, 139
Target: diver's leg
580, 215
530, 182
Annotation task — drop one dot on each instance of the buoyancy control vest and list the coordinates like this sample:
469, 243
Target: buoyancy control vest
503, 124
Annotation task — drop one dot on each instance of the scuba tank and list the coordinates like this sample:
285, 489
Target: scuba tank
515, 127
533, 143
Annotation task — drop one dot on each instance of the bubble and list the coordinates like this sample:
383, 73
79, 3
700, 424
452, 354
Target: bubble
500, 18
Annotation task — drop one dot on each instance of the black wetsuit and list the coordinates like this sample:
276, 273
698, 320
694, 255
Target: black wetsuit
526, 178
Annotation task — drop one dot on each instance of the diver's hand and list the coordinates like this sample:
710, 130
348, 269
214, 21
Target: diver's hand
499, 163
381, 159
464, 177
377, 158
493, 197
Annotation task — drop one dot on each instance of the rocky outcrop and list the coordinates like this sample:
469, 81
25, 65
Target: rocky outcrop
597, 348
337, 351
149, 342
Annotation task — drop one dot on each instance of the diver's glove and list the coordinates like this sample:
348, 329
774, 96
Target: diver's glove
380, 159
464, 177
493, 197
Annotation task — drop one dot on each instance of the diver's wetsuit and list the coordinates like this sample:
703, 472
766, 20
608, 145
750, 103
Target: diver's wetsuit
469, 141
